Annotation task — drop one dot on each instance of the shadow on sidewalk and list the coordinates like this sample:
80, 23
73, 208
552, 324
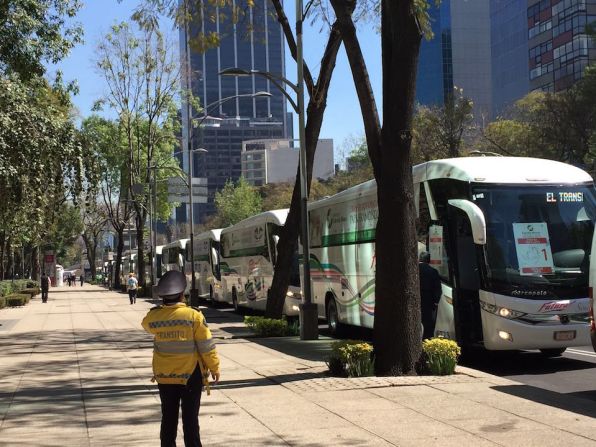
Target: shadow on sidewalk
268, 381
312, 350
575, 402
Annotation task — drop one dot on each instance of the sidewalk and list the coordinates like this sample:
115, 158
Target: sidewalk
75, 372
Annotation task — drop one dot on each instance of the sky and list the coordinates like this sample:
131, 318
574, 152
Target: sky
342, 122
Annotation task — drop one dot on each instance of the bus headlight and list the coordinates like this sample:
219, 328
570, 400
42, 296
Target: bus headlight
501, 311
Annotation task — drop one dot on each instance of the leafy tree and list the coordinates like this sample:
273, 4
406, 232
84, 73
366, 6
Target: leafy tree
36, 31
236, 202
438, 131
141, 73
397, 315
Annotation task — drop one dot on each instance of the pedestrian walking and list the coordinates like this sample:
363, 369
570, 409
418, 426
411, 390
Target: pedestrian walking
45, 287
430, 294
184, 356
132, 285
82, 279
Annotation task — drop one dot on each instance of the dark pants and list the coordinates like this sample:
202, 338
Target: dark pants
44, 295
171, 396
132, 294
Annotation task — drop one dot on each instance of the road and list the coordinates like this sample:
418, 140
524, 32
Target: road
573, 374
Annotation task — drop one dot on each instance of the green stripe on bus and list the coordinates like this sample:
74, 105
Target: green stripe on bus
352, 237
253, 251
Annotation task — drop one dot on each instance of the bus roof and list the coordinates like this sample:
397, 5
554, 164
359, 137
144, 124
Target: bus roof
275, 216
503, 170
209, 234
180, 243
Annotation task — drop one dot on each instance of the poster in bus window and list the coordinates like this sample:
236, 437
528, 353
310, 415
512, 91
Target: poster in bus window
436, 247
532, 244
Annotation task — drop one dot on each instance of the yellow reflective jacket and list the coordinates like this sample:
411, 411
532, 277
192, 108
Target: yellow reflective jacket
181, 340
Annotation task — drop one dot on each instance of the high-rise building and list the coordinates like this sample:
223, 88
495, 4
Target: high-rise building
276, 161
459, 55
558, 48
253, 42
509, 52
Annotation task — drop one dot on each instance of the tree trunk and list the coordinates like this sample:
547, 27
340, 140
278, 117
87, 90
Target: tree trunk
2, 251
35, 265
9, 260
288, 239
119, 251
140, 221
397, 309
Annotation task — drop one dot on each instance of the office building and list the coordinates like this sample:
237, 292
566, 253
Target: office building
254, 42
459, 55
509, 52
559, 49
276, 161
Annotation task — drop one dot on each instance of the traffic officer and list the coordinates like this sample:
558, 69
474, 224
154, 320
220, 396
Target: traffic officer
183, 357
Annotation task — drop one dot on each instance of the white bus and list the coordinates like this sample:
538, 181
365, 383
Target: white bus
173, 257
207, 271
248, 255
510, 237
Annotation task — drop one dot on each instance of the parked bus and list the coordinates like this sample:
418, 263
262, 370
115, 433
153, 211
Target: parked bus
173, 257
248, 256
207, 271
510, 237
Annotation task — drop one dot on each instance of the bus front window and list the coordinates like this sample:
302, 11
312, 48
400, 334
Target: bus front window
539, 239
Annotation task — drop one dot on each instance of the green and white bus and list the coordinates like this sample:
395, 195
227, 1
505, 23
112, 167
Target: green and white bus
510, 237
248, 256
207, 271
174, 257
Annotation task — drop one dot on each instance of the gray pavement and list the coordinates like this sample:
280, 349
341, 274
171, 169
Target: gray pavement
76, 372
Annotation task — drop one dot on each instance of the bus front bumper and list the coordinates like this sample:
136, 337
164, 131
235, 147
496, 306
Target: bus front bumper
501, 334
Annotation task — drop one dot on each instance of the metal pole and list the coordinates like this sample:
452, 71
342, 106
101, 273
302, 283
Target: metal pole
309, 325
129, 248
194, 295
154, 239
151, 211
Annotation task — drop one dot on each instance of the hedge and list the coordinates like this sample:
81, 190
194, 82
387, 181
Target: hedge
2, 302
17, 299
31, 291
9, 286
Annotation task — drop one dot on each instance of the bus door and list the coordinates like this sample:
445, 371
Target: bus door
466, 278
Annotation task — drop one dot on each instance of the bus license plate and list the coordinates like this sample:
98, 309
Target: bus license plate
564, 335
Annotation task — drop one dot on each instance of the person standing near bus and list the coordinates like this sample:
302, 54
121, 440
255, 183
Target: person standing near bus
45, 287
132, 285
430, 294
184, 356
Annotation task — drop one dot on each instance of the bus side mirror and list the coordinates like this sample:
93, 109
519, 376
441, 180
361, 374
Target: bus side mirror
476, 216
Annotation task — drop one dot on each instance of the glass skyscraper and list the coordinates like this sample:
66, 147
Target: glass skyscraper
254, 41
458, 55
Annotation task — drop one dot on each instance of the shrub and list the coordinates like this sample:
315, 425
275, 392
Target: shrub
32, 284
267, 327
31, 291
441, 355
17, 299
351, 358
2, 302
5, 288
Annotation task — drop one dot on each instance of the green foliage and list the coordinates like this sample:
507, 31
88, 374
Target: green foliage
5, 288
9, 286
441, 355
439, 130
269, 327
351, 358
236, 202
2, 302
33, 32
31, 284
17, 299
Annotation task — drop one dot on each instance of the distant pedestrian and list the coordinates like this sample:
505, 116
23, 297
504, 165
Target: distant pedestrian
45, 287
184, 355
82, 279
69, 280
132, 285
430, 294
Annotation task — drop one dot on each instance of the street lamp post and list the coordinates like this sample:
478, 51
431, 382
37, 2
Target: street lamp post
309, 326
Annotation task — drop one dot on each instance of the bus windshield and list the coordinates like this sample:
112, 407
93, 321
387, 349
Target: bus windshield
539, 239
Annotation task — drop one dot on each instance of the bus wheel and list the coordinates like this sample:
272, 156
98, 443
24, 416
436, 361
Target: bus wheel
333, 323
553, 352
235, 300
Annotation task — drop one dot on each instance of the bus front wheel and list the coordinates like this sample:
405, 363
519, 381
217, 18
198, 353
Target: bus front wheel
553, 352
235, 300
333, 323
